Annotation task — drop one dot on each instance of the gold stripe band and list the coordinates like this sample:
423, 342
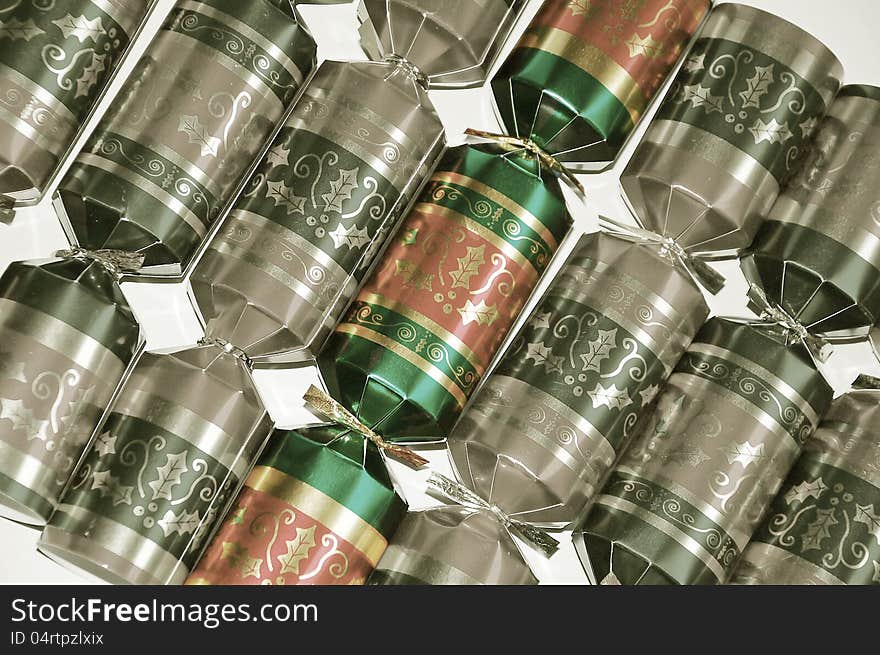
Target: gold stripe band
321, 507
381, 340
593, 61
425, 322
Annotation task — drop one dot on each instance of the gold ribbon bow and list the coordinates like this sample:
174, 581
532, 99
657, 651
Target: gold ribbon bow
668, 247
547, 160
866, 383
116, 262
819, 348
229, 348
325, 404
460, 494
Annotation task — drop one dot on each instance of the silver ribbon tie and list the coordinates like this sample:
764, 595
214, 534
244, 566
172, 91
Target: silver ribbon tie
117, 262
669, 248
794, 330
463, 496
410, 68
866, 383
228, 348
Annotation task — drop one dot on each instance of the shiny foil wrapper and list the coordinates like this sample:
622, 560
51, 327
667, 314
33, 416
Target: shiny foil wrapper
731, 130
67, 336
583, 73
818, 253
345, 167
874, 339
823, 526
687, 495
544, 430
169, 156
452, 546
56, 60
453, 43
428, 321
318, 509
184, 431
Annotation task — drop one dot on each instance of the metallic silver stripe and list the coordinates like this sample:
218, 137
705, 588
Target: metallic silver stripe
739, 165
670, 530
178, 41
125, 543
787, 568
28, 131
599, 440
721, 519
191, 169
702, 387
399, 559
41, 94
203, 434
242, 28
30, 472
763, 374
173, 204
57, 335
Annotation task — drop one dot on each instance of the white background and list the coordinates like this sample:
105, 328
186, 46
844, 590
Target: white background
848, 27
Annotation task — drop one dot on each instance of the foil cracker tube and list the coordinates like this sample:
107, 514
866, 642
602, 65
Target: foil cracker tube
874, 340
818, 252
583, 73
67, 336
425, 326
56, 62
181, 436
542, 433
452, 546
731, 130
454, 43
347, 165
690, 491
168, 158
318, 508
823, 526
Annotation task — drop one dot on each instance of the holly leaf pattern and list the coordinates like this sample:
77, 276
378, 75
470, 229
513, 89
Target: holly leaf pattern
543, 356
800, 492
540, 320
645, 46
688, 453
744, 453
278, 155
237, 517
239, 558
648, 395
283, 196
818, 530
700, 96
183, 523
170, 474
757, 86
15, 29
197, 134
89, 77
695, 63
412, 275
353, 237
610, 397
80, 28
409, 236
105, 444
771, 132
109, 485
341, 189
806, 127
468, 266
599, 349
78, 406
580, 7
481, 313
865, 514
297, 550
22, 418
